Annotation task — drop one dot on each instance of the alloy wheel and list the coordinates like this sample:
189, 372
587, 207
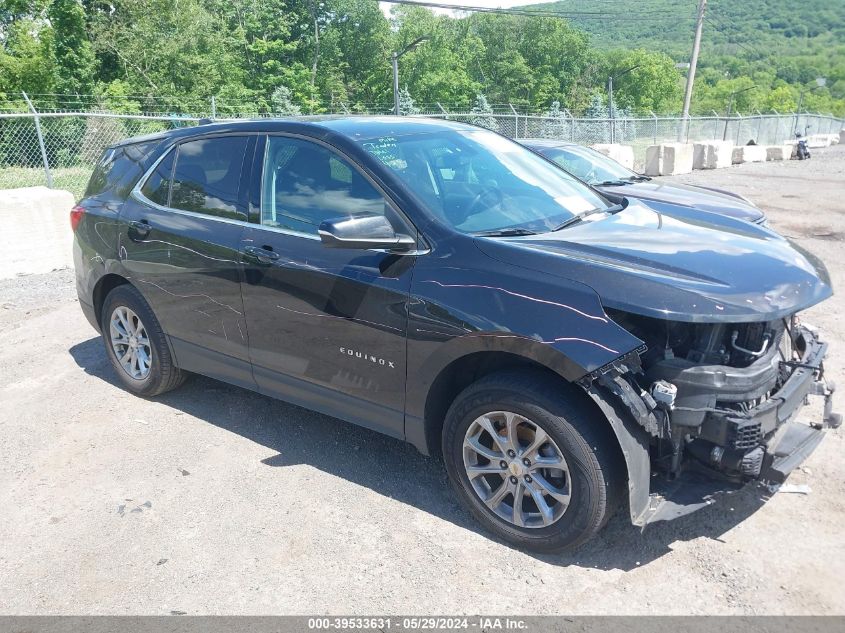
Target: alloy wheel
516, 469
130, 343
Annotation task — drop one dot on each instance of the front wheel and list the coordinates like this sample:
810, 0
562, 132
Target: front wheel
135, 344
532, 461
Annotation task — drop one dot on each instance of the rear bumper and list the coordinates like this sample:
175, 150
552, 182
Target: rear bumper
90, 313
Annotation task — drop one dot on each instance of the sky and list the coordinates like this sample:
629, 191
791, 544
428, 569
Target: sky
504, 4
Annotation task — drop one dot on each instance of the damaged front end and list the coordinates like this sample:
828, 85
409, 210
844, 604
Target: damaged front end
714, 405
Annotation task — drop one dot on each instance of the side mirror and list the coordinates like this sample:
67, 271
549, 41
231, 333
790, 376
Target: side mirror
364, 232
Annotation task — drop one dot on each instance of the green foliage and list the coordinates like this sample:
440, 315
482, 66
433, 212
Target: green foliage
136, 56
780, 45
555, 124
597, 108
406, 103
482, 114
74, 53
27, 62
282, 104
653, 84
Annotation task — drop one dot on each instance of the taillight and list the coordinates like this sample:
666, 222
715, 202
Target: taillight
76, 216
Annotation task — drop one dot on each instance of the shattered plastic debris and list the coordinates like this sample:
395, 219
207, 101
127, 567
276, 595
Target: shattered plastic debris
800, 489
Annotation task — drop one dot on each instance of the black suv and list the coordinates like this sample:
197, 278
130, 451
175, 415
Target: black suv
567, 352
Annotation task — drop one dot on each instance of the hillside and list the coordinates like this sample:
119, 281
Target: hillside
790, 41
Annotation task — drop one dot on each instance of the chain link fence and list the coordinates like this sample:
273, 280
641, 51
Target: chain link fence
59, 149
640, 132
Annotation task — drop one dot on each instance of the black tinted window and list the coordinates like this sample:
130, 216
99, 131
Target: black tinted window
304, 184
118, 169
208, 175
157, 186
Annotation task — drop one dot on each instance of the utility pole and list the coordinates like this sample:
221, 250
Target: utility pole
610, 108
395, 58
611, 111
696, 45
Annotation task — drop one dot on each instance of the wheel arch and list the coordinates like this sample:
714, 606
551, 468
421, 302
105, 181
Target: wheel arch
102, 288
629, 438
457, 376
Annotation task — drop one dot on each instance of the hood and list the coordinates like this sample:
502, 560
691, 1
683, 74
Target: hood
701, 198
676, 263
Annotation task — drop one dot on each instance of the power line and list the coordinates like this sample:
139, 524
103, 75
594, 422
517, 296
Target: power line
721, 26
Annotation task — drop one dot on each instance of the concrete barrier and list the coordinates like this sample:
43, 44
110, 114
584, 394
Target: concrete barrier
668, 159
623, 154
779, 152
820, 140
712, 154
749, 154
35, 235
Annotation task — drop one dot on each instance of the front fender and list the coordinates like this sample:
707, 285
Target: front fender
465, 308
633, 441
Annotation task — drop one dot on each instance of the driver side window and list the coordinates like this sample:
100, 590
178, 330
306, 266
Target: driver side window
305, 183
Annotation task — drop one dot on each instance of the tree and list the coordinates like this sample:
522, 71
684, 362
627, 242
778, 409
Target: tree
406, 103
654, 84
597, 109
282, 104
166, 56
555, 124
26, 58
74, 54
179, 72
482, 114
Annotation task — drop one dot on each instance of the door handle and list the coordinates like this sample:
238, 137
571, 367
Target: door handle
142, 227
263, 255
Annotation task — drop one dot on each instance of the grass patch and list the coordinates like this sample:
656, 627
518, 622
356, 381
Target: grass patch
73, 179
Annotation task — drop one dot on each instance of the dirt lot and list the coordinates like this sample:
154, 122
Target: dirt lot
216, 500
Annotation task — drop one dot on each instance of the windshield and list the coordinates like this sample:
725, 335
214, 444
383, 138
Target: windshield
587, 164
478, 181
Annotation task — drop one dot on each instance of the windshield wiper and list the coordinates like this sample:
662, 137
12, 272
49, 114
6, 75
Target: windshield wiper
638, 178
612, 183
510, 232
616, 208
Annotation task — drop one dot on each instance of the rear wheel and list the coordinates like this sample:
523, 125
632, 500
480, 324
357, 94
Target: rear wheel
532, 461
135, 344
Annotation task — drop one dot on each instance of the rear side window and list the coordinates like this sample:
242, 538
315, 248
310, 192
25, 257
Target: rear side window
207, 176
157, 187
118, 169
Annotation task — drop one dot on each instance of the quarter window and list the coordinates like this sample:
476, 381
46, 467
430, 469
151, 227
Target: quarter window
157, 187
305, 184
208, 175
118, 170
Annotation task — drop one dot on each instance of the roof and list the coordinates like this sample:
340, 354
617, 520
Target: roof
355, 128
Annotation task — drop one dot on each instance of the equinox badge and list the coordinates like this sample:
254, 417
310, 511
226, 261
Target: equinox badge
363, 356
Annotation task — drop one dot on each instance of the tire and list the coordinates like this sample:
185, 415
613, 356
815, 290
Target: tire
595, 478
159, 374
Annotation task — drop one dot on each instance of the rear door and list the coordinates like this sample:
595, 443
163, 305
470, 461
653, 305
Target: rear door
181, 232
327, 326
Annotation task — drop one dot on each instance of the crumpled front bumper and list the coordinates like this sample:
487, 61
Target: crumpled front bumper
781, 440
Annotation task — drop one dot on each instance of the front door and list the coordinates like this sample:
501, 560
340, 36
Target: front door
180, 246
326, 326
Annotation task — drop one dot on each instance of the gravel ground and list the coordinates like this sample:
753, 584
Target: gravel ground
214, 500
